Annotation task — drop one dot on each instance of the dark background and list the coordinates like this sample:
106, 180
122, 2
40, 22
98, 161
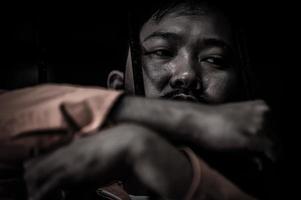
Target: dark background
80, 43
42, 43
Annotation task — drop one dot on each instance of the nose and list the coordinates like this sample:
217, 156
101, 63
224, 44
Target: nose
185, 76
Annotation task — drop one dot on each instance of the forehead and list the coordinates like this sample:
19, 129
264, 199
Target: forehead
207, 25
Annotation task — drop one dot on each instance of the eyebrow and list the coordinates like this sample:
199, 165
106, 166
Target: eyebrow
164, 35
214, 42
206, 42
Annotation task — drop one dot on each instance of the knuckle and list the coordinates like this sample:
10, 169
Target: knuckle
261, 105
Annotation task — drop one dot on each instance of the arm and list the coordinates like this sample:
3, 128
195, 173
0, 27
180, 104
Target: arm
39, 108
207, 183
219, 127
113, 155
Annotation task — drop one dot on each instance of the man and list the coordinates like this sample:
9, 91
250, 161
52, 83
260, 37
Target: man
188, 54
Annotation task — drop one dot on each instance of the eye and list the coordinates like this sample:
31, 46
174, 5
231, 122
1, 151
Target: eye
217, 61
160, 53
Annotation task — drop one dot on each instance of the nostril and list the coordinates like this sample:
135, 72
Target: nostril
185, 82
179, 83
198, 85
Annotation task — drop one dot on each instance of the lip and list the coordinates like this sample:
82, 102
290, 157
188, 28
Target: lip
184, 97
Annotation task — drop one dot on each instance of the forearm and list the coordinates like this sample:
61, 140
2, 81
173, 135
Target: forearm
112, 155
169, 117
207, 183
217, 187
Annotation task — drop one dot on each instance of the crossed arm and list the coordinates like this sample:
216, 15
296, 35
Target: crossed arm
113, 155
135, 145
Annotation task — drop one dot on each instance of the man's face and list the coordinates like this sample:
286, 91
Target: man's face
189, 58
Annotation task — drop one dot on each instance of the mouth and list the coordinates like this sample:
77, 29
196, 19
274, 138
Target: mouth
184, 97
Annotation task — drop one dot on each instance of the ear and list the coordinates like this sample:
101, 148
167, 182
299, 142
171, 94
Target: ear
115, 80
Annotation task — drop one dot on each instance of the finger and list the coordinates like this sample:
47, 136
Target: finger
264, 146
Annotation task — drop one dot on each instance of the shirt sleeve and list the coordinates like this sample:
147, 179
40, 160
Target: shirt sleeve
37, 118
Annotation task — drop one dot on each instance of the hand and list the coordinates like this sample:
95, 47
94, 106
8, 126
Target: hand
233, 126
110, 155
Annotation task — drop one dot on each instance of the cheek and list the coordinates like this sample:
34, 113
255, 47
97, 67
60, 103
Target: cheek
156, 74
220, 86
